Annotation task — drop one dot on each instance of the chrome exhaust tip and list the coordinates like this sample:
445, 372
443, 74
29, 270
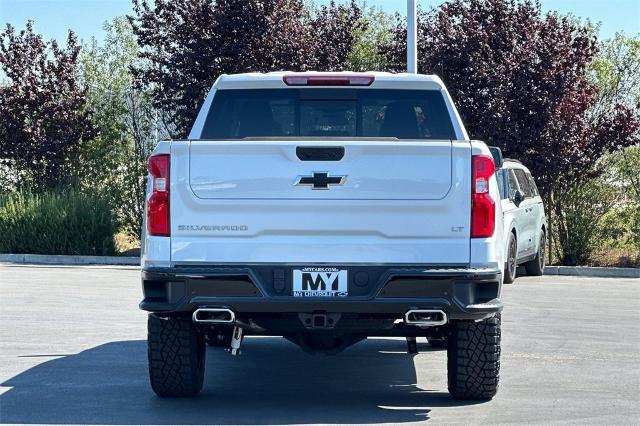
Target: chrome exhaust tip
214, 316
425, 317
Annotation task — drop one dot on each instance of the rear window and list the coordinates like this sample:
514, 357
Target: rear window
402, 114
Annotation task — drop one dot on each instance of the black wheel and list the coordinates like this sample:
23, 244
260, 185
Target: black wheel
438, 342
473, 359
511, 265
176, 356
535, 267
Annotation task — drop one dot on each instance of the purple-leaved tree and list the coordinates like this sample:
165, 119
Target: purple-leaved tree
43, 115
189, 43
519, 79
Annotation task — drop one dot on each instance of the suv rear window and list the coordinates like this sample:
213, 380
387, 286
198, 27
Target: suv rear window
401, 114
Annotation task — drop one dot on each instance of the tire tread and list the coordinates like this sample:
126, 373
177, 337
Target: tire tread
176, 356
473, 359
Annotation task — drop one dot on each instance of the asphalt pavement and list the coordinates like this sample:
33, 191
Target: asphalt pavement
73, 351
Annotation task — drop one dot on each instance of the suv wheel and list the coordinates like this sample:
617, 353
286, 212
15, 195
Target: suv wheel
473, 359
511, 265
176, 356
535, 267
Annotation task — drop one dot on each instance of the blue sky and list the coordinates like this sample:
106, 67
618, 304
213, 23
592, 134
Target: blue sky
53, 17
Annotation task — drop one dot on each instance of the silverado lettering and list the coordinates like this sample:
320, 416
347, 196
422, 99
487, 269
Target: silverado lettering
213, 228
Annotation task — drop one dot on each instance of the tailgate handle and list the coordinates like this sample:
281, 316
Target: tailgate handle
320, 153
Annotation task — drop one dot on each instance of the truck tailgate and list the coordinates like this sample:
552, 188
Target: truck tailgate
379, 202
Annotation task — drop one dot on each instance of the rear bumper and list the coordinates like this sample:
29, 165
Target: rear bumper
376, 289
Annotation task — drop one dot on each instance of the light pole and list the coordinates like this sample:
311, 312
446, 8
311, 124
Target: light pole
412, 35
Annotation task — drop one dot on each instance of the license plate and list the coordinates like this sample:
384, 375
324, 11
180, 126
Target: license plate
320, 282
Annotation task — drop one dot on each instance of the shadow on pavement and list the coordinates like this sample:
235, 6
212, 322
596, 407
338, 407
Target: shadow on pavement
272, 382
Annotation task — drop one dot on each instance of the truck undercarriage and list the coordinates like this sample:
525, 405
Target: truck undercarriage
393, 300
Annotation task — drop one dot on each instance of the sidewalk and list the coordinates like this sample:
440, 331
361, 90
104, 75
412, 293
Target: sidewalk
42, 259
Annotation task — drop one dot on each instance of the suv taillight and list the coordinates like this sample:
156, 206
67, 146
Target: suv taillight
483, 208
158, 204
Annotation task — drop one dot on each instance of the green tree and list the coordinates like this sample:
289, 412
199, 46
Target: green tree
592, 213
106, 76
115, 161
625, 176
580, 219
616, 73
370, 35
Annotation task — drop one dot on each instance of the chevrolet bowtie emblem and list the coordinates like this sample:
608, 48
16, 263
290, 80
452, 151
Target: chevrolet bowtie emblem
320, 180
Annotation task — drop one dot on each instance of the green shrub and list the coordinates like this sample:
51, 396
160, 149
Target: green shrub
56, 223
578, 220
625, 171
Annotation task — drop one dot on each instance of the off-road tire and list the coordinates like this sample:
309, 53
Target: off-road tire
473, 359
176, 356
511, 265
535, 267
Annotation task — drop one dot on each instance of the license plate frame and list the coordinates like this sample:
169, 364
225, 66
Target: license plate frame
320, 281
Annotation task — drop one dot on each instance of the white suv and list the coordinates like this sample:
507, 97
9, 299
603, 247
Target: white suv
524, 220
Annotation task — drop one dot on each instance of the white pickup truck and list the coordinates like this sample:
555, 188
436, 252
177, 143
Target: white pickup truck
325, 208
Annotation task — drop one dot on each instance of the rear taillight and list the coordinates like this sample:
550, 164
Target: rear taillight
483, 208
158, 204
327, 80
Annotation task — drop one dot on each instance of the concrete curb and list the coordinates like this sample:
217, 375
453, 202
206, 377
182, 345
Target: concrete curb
593, 271
46, 259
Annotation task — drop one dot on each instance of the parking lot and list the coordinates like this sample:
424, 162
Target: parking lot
73, 351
